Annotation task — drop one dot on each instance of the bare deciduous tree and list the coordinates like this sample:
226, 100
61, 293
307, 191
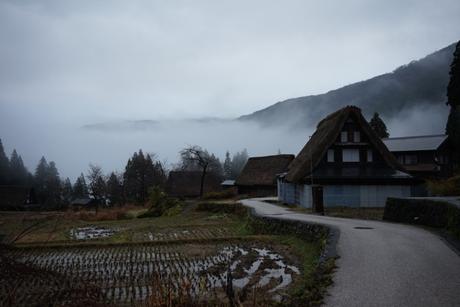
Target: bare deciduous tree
198, 157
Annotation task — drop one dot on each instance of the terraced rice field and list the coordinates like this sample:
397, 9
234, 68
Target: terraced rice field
137, 273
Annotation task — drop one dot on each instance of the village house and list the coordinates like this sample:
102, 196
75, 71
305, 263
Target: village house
187, 183
258, 177
345, 164
426, 156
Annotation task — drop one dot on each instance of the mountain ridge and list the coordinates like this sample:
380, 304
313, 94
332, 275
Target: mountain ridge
419, 83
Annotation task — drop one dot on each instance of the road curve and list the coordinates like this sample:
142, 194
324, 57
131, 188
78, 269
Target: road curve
388, 265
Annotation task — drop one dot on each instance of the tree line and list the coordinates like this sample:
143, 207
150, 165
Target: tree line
142, 171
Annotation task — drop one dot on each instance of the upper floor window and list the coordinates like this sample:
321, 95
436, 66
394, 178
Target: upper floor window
344, 136
410, 159
330, 155
370, 156
356, 137
350, 155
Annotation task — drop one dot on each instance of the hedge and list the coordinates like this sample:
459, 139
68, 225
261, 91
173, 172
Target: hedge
424, 212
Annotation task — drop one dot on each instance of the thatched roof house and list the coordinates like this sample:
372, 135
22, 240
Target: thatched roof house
345, 164
187, 183
258, 176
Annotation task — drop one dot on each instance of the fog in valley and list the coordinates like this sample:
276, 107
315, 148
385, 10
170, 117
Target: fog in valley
73, 145
85, 82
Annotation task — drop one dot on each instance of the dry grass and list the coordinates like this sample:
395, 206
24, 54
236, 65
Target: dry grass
105, 214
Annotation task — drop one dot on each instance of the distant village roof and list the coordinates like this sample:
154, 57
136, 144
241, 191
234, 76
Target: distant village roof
187, 183
263, 170
415, 143
228, 183
326, 134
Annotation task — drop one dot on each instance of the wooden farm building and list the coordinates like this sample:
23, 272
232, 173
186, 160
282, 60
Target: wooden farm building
187, 183
258, 177
345, 164
427, 156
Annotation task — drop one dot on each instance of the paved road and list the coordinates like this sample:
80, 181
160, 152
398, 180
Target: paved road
389, 265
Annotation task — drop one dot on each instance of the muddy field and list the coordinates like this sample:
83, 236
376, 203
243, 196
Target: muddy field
136, 274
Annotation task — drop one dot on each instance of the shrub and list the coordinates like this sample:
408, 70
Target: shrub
424, 212
448, 187
161, 204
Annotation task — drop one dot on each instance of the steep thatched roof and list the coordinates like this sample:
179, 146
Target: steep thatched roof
187, 183
325, 135
263, 170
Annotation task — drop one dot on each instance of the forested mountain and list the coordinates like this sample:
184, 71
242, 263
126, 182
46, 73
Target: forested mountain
412, 86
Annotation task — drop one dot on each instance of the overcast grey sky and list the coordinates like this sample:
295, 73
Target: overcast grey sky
82, 62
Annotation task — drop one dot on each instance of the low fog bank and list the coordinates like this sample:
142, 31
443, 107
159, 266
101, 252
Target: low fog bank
74, 146
109, 144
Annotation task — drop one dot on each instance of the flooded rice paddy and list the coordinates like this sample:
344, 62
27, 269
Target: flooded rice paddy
130, 274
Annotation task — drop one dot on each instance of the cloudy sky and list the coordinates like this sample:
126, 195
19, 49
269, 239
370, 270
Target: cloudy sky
82, 62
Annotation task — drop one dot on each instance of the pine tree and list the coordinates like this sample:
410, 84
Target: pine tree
453, 100
227, 166
379, 126
40, 180
114, 189
67, 191
18, 172
53, 187
80, 189
96, 183
142, 173
4, 166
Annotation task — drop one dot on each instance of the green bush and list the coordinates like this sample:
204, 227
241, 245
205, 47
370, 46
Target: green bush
424, 212
161, 204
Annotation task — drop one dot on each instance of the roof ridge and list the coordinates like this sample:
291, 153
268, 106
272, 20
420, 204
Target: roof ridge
271, 156
414, 137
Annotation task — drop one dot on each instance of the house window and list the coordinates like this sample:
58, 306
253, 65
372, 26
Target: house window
410, 159
400, 159
356, 137
369, 155
350, 155
330, 155
344, 137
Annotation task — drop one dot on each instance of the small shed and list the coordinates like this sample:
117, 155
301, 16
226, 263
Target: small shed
258, 177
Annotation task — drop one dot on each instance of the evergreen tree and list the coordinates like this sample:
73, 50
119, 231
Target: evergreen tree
80, 189
67, 191
96, 183
4, 166
53, 187
40, 180
379, 126
18, 172
114, 189
227, 166
453, 100
142, 173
